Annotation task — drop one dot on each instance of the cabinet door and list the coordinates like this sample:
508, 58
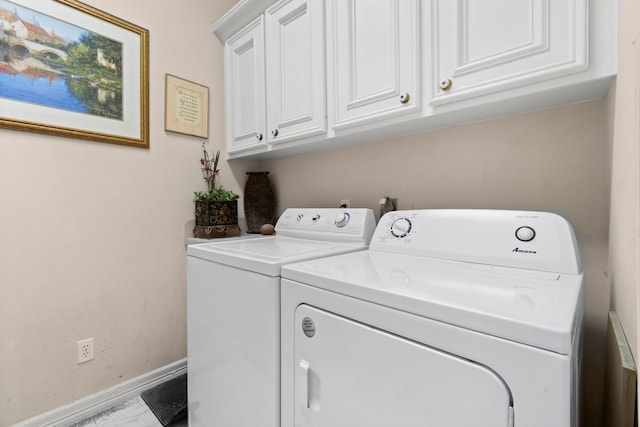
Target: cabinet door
245, 88
491, 45
376, 59
296, 89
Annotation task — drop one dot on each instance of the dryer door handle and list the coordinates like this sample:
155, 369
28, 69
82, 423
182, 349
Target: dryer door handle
302, 383
307, 387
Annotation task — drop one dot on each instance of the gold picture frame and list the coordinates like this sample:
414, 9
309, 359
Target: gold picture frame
186, 107
71, 70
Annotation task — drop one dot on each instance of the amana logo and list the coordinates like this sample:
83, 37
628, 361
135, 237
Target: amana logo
522, 251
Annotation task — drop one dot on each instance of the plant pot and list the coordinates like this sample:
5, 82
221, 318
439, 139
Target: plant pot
210, 213
216, 219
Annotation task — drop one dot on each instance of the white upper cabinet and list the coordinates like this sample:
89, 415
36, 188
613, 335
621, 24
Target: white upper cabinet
245, 88
377, 59
305, 75
492, 45
296, 79
275, 77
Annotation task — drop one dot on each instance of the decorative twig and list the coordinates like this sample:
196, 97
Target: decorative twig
209, 173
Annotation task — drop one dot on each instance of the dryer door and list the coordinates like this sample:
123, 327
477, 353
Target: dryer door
349, 374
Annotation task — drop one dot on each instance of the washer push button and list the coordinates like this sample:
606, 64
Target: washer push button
525, 234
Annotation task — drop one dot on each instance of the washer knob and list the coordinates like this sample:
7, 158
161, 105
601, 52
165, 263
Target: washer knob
401, 227
342, 219
299, 217
316, 218
525, 234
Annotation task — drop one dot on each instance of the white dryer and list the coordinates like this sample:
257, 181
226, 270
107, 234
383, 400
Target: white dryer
452, 318
233, 312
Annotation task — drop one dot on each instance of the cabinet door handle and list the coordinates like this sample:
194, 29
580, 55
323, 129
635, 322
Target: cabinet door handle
445, 84
259, 136
274, 132
405, 97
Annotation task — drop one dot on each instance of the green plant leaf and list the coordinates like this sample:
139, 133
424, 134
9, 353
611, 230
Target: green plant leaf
218, 195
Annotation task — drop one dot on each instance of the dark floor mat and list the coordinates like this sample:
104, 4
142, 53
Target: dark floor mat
168, 401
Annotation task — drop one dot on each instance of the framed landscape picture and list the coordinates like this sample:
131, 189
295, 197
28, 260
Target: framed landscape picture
69, 69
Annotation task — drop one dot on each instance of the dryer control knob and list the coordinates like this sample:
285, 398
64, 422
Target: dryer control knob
525, 234
401, 227
342, 219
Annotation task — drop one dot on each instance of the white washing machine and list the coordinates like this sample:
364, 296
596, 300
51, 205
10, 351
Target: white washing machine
452, 318
233, 312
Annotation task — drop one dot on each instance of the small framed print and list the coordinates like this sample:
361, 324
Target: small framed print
186, 107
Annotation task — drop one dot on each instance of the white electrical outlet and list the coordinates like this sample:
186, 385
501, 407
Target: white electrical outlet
345, 203
85, 350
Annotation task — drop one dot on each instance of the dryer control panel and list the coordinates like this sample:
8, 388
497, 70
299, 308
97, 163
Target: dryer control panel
531, 240
334, 224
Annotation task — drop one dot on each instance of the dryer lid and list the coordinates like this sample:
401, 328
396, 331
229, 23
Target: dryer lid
535, 308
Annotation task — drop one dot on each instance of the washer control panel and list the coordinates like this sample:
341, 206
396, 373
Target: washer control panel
350, 225
531, 240
318, 219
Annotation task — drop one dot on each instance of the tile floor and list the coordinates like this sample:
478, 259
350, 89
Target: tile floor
131, 413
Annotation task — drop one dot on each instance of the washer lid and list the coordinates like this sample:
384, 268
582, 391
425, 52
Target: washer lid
536, 308
266, 255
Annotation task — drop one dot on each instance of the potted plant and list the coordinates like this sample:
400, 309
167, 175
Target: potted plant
216, 209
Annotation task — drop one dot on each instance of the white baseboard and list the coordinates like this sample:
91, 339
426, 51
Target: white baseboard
105, 399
